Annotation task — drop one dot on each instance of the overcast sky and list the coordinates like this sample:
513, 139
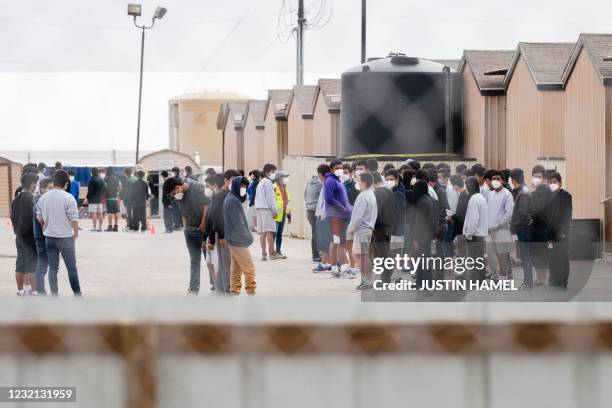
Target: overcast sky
68, 68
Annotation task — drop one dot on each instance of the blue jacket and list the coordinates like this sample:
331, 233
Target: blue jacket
336, 198
74, 190
237, 231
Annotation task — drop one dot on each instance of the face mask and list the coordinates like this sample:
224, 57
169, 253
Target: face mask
510, 181
496, 184
174, 174
389, 184
345, 177
553, 187
357, 187
338, 173
179, 196
71, 178
413, 181
208, 192
359, 172
272, 175
536, 181
286, 181
102, 175
243, 191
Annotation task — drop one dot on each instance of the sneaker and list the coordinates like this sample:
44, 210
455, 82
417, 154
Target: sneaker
20, 292
320, 268
524, 286
282, 256
116, 228
264, 257
109, 229
335, 271
316, 260
276, 256
193, 292
346, 275
364, 286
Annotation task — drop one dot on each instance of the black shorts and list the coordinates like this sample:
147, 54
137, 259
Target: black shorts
538, 248
26, 254
112, 207
338, 228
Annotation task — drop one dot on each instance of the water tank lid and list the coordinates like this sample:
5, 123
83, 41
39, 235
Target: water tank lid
397, 62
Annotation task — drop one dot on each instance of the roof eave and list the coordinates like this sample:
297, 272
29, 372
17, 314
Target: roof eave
492, 91
557, 86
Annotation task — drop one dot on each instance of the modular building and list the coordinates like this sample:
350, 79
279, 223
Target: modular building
484, 105
327, 132
275, 126
300, 112
254, 128
231, 121
10, 180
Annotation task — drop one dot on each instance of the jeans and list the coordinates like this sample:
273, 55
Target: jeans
312, 219
476, 249
223, 268
524, 248
193, 239
448, 239
65, 247
140, 218
558, 264
168, 219
42, 264
280, 226
176, 215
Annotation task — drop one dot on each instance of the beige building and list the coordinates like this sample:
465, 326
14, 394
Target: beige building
192, 121
485, 105
254, 133
10, 180
299, 116
535, 105
275, 126
166, 159
588, 129
326, 122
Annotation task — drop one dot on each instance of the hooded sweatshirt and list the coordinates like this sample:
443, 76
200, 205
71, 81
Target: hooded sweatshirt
336, 198
476, 221
399, 191
364, 213
237, 231
312, 192
425, 214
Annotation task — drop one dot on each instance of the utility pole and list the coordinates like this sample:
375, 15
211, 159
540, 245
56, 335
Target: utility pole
301, 23
363, 31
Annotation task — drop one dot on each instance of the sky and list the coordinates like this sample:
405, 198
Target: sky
69, 68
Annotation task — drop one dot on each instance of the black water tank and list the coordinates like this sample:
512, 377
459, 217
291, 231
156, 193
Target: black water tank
402, 106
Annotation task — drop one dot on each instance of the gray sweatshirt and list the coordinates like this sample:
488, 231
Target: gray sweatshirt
312, 192
500, 206
57, 209
475, 223
364, 213
320, 211
264, 196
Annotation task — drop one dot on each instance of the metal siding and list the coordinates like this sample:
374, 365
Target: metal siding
231, 145
271, 143
323, 137
495, 131
251, 144
474, 114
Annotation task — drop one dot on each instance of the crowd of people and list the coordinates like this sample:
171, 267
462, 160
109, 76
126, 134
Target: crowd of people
358, 213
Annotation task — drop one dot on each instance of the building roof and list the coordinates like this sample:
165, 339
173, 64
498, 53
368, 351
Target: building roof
453, 63
545, 62
210, 95
489, 68
278, 101
331, 90
257, 109
598, 47
304, 96
237, 109
165, 159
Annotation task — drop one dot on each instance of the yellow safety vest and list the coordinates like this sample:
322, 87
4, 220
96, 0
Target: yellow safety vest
279, 202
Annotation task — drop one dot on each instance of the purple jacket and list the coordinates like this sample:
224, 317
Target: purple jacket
336, 198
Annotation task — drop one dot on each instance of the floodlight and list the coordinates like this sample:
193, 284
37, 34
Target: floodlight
134, 10
160, 12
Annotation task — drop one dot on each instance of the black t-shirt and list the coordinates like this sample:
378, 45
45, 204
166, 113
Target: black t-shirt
22, 214
193, 203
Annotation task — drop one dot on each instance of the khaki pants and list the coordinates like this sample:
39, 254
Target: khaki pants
242, 263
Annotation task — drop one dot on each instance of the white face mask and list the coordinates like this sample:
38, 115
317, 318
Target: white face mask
338, 173
243, 191
179, 195
357, 186
286, 181
102, 175
413, 181
71, 178
510, 181
345, 177
389, 184
553, 187
208, 192
496, 184
536, 181
272, 176
359, 172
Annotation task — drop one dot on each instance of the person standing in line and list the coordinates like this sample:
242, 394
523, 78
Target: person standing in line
323, 227
139, 196
58, 214
394, 183
283, 197
42, 168
424, 223
212, 260
338, 210
167, 204
21, 217
560, 217
112, 191
361, 227
42, 262
443, 208
350, 184
385, 220
458, 217
541, 196
215, 231
452, 198
239, 238
265, 207
95, 192
254, 176
475, 226
408, 180
74, 186
520, 224
311, 197
479, 172
500, 207
189, 173
195, 204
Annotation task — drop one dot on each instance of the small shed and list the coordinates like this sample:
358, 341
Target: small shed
166, 159
231, 121
10, 180
300, 113
326, 122
588, 129
275, 126
535, 104
485, 104
254, 135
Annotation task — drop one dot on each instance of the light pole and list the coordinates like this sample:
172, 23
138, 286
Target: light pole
135, 10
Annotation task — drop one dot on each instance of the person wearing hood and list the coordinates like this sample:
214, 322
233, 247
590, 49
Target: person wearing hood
393, 183
519, 223
311, 197
500, 208
283, 197
541, 196
560, 216
424, 222
338, 210
239, 238
214, 232
408, 181
476, 227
